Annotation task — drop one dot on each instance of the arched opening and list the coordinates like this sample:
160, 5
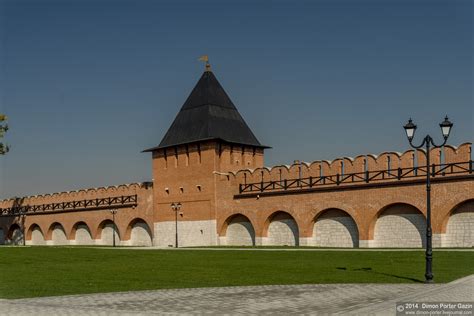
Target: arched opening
106, 232
140, 233
15, 235
35, 235
81, 234
335, 228
400, 226
58, 234
239, 231
282, 230
459, 231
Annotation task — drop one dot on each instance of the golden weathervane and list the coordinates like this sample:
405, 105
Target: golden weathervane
205, 58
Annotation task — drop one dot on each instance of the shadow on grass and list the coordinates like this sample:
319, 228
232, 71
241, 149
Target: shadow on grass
369, 270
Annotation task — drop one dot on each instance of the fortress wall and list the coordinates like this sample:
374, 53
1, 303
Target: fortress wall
372, 163
315, 169
460, 227
358, 164
241, 176
68, 196
435, 156
239, 232
459, 154
263, 174
385, 159
235, 157
294, 171
390, 216
282, 230
140, 234
364, 206
400, 226
335, 167
190, 233
83, 235
407, 160
348, 165
37, 237
278, 173
59, 227
335, 228
420, 157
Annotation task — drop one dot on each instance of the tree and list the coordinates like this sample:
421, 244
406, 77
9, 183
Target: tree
3, 128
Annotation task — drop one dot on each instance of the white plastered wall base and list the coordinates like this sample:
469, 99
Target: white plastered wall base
190, 233
307, 241
366, 244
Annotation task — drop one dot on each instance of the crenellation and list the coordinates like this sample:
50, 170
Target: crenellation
361, 163
384, 160
371, 162
335, 166
347, 165
325, 168
420, 157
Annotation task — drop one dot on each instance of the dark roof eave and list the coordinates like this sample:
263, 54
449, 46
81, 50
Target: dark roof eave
201, 140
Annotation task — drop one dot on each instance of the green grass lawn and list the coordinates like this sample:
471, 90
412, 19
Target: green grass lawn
44, 271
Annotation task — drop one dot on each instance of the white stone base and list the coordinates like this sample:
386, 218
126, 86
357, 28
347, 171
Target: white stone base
240, 232
398, 230
190, 233
366, 244
140, 235
307, 241
83, 236
259, 241
59, 236
460, 229
282, 231
335, 229
437, 240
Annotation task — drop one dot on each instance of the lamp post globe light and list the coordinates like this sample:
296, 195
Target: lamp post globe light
410, 129
176, 207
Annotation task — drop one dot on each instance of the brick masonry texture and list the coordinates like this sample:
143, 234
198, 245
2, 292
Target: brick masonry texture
205, 179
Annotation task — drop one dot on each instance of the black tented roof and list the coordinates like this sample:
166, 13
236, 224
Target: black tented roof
207, 114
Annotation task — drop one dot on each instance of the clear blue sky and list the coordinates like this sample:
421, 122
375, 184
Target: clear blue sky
89, 84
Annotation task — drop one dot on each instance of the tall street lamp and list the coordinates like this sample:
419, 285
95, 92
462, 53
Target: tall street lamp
113, 212
410, 129
176, 207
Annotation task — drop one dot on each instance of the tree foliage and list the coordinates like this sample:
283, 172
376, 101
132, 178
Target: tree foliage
3, 128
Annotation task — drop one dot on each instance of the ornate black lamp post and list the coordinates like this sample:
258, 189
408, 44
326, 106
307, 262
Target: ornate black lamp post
410, 129
176, 207
113, 212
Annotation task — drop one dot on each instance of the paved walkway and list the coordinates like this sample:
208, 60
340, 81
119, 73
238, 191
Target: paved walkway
318, 299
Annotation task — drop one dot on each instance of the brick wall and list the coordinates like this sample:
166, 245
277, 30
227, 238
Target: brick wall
206, 181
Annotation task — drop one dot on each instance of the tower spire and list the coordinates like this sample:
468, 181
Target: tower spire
205, 58
208, 114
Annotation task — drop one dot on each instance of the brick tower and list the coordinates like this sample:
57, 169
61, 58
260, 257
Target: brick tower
208, 136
